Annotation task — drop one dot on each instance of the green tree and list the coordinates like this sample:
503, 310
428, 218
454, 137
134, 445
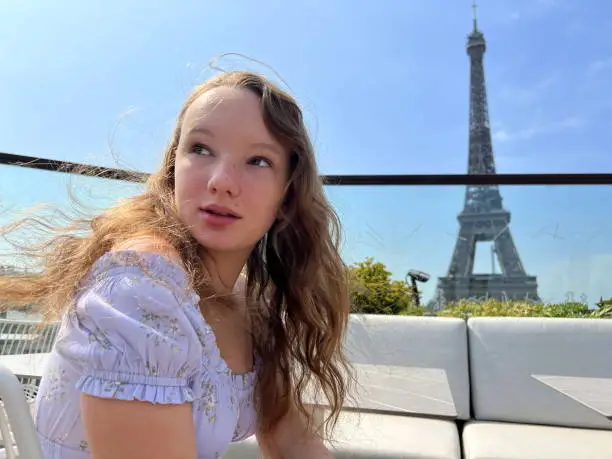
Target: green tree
373, 291
604, 309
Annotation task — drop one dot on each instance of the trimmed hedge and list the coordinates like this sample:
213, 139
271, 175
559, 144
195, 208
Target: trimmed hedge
497, 308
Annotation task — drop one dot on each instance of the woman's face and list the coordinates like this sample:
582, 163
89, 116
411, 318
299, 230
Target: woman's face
230, 173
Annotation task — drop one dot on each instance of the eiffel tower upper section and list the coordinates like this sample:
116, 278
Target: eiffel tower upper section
480, 199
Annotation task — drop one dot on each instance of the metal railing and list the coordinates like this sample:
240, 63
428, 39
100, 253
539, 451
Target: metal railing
26, 336
55, 165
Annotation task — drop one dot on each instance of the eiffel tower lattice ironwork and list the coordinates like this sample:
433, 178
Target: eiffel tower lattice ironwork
483, 218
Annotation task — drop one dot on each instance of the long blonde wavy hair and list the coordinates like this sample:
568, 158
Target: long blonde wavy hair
296, 279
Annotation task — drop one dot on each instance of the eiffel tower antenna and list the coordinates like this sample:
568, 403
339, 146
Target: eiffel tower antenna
483, 218
475, 8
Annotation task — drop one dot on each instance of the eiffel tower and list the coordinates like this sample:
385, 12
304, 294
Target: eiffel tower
483, 218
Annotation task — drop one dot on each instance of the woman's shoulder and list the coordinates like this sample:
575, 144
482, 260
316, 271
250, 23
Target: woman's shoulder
149, 244
159, 262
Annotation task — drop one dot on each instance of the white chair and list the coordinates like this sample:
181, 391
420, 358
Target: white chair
16, 422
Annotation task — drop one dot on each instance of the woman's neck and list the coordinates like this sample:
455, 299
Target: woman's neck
223, 270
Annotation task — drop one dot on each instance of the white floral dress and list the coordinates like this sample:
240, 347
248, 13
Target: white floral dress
135, 332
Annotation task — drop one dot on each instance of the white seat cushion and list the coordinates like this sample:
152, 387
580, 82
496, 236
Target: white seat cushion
246, 449
497, 440
371, 436
506, 351
423, 342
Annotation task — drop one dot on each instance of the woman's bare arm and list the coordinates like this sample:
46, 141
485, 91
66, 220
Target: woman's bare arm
291, 440
118, 429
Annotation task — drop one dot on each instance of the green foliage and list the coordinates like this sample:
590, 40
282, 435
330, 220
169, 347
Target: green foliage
497, 308
373, 292
604, 309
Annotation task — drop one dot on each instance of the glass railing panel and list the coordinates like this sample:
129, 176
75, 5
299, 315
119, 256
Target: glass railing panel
561, 234
22, 189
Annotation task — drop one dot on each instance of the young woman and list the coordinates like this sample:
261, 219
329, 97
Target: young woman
196, 313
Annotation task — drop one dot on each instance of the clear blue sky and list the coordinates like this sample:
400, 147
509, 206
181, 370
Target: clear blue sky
385, 89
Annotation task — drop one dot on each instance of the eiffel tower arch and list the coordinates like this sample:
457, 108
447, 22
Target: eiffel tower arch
483, 218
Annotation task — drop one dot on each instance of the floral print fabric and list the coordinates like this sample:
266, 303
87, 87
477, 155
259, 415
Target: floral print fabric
135, 332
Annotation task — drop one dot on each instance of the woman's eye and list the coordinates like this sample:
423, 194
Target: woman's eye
200, 149
260, 162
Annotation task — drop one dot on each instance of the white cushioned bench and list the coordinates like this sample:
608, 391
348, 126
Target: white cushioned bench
422, 342
517, 416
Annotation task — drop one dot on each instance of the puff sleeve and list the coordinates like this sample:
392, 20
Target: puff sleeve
137, 340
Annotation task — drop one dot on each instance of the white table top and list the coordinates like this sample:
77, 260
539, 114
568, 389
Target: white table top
397, 389
26, 365
595, 393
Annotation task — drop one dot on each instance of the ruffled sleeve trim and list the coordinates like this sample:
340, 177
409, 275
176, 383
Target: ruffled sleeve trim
127, 386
